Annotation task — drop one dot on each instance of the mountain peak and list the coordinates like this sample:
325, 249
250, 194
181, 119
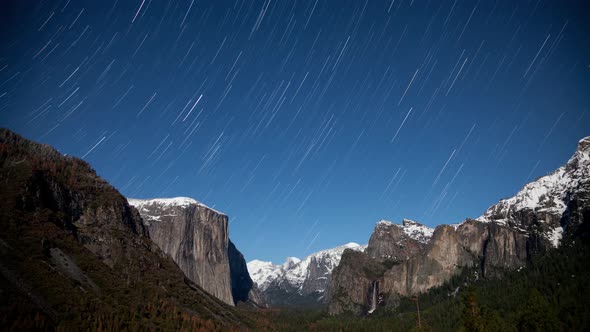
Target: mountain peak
290, 262
350, 245
582, 155
584, 143
384, 222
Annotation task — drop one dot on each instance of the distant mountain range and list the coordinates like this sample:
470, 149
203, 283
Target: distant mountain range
77, 255
410, 258
298, 282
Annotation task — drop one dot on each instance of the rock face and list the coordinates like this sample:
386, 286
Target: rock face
398, 242
436, 264
298, 283
242, 287
197, 238
72, 246
505, 237
352, 282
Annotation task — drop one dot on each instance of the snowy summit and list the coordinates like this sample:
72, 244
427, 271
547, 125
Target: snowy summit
295, 271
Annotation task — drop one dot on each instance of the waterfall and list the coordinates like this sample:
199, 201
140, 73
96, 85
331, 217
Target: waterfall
374, 296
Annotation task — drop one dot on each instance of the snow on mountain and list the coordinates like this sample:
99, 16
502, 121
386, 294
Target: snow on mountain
263, 273
545, 194
295, 271
140, 204
548, 195
290, 262
412, 229
543, 200
417, 231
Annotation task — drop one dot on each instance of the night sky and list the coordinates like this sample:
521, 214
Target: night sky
305, 121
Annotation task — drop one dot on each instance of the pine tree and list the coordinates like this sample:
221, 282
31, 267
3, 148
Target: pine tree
537, 314
472, 319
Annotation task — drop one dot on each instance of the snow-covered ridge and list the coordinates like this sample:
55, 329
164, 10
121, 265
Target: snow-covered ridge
412, 229
545, 194
548, 194
295, 271
167, 202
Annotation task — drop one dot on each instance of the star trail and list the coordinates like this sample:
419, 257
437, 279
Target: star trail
305, 121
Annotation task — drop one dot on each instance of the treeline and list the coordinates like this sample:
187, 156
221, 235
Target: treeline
550, 294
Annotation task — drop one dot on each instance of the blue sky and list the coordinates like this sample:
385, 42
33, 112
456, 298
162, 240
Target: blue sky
305, 121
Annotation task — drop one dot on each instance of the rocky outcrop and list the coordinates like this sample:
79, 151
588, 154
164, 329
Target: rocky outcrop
197, 238
243, 288
504, 238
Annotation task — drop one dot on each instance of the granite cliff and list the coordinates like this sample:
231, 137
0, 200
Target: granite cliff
197, 238
543, 214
